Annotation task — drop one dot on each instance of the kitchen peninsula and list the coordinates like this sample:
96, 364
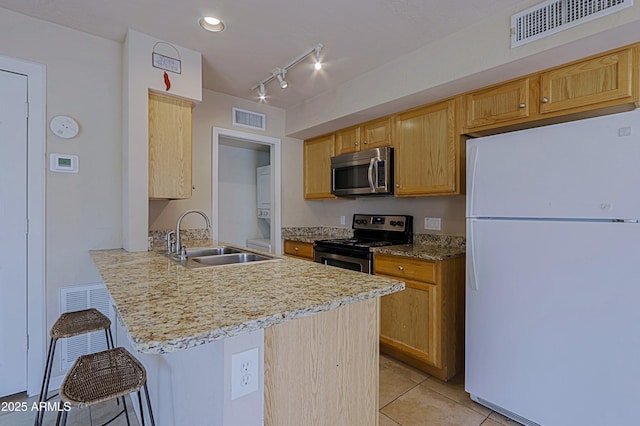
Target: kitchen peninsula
316, 328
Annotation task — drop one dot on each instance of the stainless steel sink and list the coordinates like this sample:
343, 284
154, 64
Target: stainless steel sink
210, 251
229, 259
205, 257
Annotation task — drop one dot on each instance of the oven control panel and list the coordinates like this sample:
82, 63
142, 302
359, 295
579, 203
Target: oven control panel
380, 222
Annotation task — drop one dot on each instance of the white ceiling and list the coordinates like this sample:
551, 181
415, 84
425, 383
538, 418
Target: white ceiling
358, 35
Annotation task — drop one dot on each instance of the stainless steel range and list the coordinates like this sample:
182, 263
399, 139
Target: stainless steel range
368, 231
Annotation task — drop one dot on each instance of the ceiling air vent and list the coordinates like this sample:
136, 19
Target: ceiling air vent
554, 16
250, 119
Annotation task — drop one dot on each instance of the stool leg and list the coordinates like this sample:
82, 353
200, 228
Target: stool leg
146, 393
141, 409
44, 390
126, 412
62, 414
109, 339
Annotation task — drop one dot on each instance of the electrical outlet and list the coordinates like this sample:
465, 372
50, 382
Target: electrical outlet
244, 373
343, 220
432, 223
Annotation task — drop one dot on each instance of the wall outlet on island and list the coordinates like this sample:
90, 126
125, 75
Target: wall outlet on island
244, 373
343, 220
432, 223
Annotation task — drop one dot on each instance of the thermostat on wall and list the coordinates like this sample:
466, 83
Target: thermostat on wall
63, 163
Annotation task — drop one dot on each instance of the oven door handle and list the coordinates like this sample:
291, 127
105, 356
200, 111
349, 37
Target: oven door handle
370, 174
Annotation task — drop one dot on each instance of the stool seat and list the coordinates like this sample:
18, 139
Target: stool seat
102, 376
71, 324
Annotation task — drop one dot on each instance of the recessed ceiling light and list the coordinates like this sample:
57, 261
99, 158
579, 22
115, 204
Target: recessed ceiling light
211, 23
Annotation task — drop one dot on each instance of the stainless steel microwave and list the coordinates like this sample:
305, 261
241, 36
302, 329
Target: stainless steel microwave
361, 173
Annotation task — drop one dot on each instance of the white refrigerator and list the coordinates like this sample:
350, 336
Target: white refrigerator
553, 272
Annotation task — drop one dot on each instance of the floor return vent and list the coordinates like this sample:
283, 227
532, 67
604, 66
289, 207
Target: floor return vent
78, 298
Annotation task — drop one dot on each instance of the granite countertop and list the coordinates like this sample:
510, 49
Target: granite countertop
167, 307
422, 251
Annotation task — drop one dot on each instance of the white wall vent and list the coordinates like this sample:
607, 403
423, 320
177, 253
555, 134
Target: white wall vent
250, 119
554, 16
78, 298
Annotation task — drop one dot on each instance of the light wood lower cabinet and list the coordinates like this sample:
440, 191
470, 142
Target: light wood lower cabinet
424, 324
298, 249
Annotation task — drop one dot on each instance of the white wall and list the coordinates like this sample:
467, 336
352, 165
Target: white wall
238, 193
214, 111
83, 211
471, 58
140, 77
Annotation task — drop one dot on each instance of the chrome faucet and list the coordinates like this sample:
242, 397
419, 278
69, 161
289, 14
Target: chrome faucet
179, 248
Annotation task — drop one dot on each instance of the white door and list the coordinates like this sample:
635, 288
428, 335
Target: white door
13, 217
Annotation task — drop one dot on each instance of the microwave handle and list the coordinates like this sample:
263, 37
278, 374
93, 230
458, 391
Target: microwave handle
370, 175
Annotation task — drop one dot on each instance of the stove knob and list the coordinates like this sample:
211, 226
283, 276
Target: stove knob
392, 223
400, 223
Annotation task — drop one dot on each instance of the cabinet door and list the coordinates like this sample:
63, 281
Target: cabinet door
427, 151
410, 322
348, 140
496, 104
169, 147
602, 79
376, 134
317, 167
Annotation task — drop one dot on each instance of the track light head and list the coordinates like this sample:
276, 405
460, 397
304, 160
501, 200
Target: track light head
318, 64
261, 92
280, 76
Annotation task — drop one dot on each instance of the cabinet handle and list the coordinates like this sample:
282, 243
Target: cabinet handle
365, 142
355, 143
401, 268
296, 248
522, 105
397, 185
545, 100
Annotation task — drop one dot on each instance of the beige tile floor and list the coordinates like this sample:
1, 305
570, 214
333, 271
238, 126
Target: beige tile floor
408, 397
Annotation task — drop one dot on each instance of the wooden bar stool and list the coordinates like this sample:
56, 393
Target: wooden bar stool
71, 324
104, 376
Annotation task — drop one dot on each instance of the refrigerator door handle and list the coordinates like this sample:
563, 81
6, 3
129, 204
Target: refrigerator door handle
471, 178
472, 277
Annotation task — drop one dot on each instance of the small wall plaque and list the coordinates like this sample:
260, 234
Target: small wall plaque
167, 63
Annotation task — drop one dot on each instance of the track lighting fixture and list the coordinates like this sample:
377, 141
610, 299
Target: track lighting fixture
280, 73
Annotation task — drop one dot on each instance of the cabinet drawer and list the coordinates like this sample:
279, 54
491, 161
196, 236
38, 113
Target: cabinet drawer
404, 267
298, 249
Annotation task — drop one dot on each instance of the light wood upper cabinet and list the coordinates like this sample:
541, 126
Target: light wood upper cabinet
590, 82
317, 167
496, 104
603, 83
169, 147
372, 134
427, 154
424, 324
348, 140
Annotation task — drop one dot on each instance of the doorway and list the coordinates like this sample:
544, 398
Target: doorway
22, 279
236, 159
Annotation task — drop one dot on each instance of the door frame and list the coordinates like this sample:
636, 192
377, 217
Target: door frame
36, 175
276, 172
